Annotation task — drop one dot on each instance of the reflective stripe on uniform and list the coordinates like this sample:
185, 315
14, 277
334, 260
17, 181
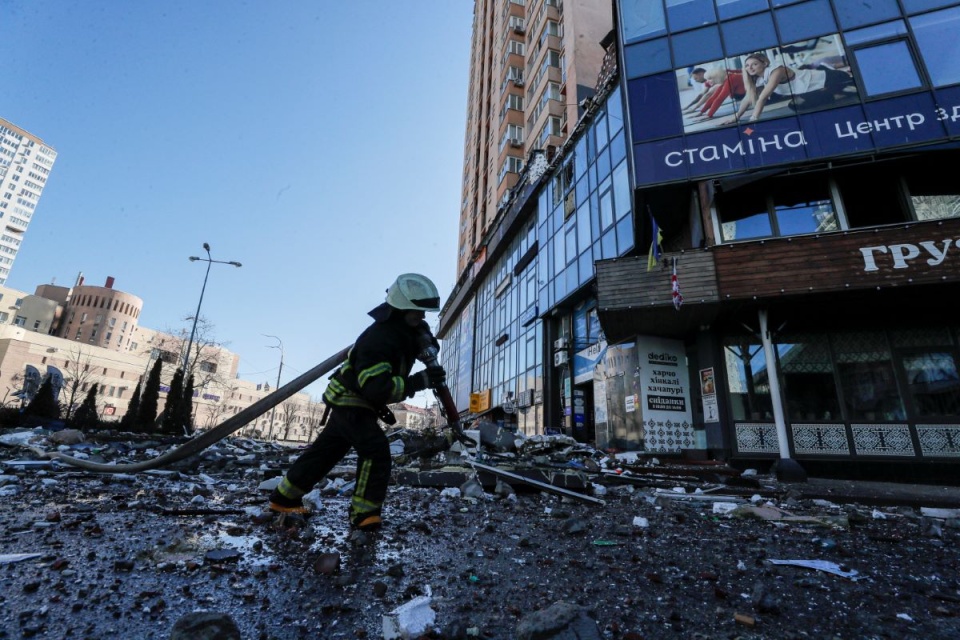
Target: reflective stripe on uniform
399, 389
371, 372
289, 490
358, 504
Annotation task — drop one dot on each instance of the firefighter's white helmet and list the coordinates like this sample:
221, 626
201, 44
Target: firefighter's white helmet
414, 292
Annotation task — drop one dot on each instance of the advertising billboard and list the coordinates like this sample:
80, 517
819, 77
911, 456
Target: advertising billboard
733, 92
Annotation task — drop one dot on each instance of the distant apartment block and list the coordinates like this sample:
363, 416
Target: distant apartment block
25, 164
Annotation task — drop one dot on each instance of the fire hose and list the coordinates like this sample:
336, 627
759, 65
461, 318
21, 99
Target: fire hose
202, 441
429, 352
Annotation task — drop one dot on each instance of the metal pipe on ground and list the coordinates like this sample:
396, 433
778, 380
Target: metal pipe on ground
221, 431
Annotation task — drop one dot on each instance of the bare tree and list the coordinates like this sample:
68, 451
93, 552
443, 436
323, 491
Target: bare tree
213, 413
288, 416
203, 363
315, 410
78, 375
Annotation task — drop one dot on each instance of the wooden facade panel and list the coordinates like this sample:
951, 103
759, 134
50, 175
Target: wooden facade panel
625, 283
901, 255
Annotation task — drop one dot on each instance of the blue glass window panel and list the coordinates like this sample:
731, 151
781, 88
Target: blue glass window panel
877, 32
618, 149
622, 194
646, 58
783, 3
603, 164
543, 206
560, 288
939, 45
592, 176
856, 13
608, 244
559, 254
887, 68
805, 217
641, 19
624, 236
687, 14
543, 235
586, 266
737, 8
571, 241
615, 111
807, 20
583, 226
916, 6
755, 226
749, 34
606, 205
655, 107
696, 46
582, 192
544, 297
573, 280
580, 158
557, 219
594, 215
600, 130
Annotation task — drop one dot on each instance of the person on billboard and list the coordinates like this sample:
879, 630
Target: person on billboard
724, 83
700, 76
809, 87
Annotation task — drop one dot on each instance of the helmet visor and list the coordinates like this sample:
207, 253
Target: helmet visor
427, 303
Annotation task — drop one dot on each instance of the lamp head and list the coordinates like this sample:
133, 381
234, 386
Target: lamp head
193, 258
206, 247
236, 264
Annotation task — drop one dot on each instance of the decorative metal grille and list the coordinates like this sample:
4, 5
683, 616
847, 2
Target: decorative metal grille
804, 353
860, 346
665, 436
939, 440
757, 437
882, 440
920, 337
830, 439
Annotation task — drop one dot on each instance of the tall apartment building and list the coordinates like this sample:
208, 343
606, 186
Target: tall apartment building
533, 62
25, 164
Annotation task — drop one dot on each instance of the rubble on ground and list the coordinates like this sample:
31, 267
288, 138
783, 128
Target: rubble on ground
664, 547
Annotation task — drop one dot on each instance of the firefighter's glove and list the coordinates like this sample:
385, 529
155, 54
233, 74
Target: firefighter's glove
429, 378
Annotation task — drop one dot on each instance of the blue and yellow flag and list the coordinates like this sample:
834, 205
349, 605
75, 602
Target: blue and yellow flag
653, 257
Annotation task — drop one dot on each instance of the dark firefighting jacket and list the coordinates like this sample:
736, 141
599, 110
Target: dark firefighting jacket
375, 372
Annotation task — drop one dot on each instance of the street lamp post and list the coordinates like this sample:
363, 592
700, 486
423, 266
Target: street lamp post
209, 260
279, 345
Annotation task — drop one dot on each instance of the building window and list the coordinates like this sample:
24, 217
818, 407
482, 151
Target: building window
20, 321
802, 206
36, 325
936, 37
208, 367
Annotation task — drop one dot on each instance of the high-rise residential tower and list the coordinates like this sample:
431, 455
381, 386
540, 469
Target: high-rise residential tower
532, 63
25, 164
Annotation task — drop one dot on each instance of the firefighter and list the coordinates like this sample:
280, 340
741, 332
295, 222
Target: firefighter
376, 373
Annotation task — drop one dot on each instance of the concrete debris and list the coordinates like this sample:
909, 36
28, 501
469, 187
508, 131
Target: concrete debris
820, 565
204, 625
560, 621
410, 620
672, 548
